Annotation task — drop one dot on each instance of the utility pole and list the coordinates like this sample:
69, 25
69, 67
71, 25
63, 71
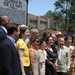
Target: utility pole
27, 13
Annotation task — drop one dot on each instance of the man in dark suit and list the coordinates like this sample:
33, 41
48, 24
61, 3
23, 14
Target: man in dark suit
4, 20
10, 62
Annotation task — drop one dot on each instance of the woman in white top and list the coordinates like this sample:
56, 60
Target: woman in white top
42, 54
34, 57
68, 43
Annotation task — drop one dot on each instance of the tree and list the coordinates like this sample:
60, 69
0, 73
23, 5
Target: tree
49, 14
66, 13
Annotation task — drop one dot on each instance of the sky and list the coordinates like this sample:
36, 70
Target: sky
40, 7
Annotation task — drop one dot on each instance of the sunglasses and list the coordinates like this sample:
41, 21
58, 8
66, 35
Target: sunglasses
37, 41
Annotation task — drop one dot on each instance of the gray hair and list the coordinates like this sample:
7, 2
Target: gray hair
33, 31
53, 35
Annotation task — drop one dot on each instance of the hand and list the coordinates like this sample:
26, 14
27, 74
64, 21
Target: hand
23, 74
56, 65
68, 70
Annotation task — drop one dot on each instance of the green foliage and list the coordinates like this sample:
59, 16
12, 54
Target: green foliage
63, 25
49, 14
71, 28
65, 14
68, 27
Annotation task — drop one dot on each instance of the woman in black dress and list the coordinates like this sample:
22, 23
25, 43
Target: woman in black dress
51, 63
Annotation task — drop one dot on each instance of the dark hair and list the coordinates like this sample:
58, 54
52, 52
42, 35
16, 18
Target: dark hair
73, 37
46, 33
61, 36
22, 30
12, 27
47, 39
67, 38
41, 41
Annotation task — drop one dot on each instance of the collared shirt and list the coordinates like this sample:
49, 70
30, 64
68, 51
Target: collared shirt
12, 39
63, 59
4, 28
60, 52
26, 41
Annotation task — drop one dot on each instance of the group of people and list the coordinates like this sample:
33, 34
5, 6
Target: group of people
23, 52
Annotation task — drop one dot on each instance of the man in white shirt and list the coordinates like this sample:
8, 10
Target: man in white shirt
63, 57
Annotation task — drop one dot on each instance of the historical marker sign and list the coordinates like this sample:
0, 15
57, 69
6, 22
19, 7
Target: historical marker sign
15, 9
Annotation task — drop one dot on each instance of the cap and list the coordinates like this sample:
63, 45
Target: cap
24, 26
58, 33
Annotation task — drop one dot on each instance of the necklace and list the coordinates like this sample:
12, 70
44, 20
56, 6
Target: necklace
50, 48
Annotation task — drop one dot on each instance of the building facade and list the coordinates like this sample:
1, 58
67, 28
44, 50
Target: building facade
40, 22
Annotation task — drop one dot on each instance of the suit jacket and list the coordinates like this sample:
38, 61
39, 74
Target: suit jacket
2, 37
10, 62
2, 34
